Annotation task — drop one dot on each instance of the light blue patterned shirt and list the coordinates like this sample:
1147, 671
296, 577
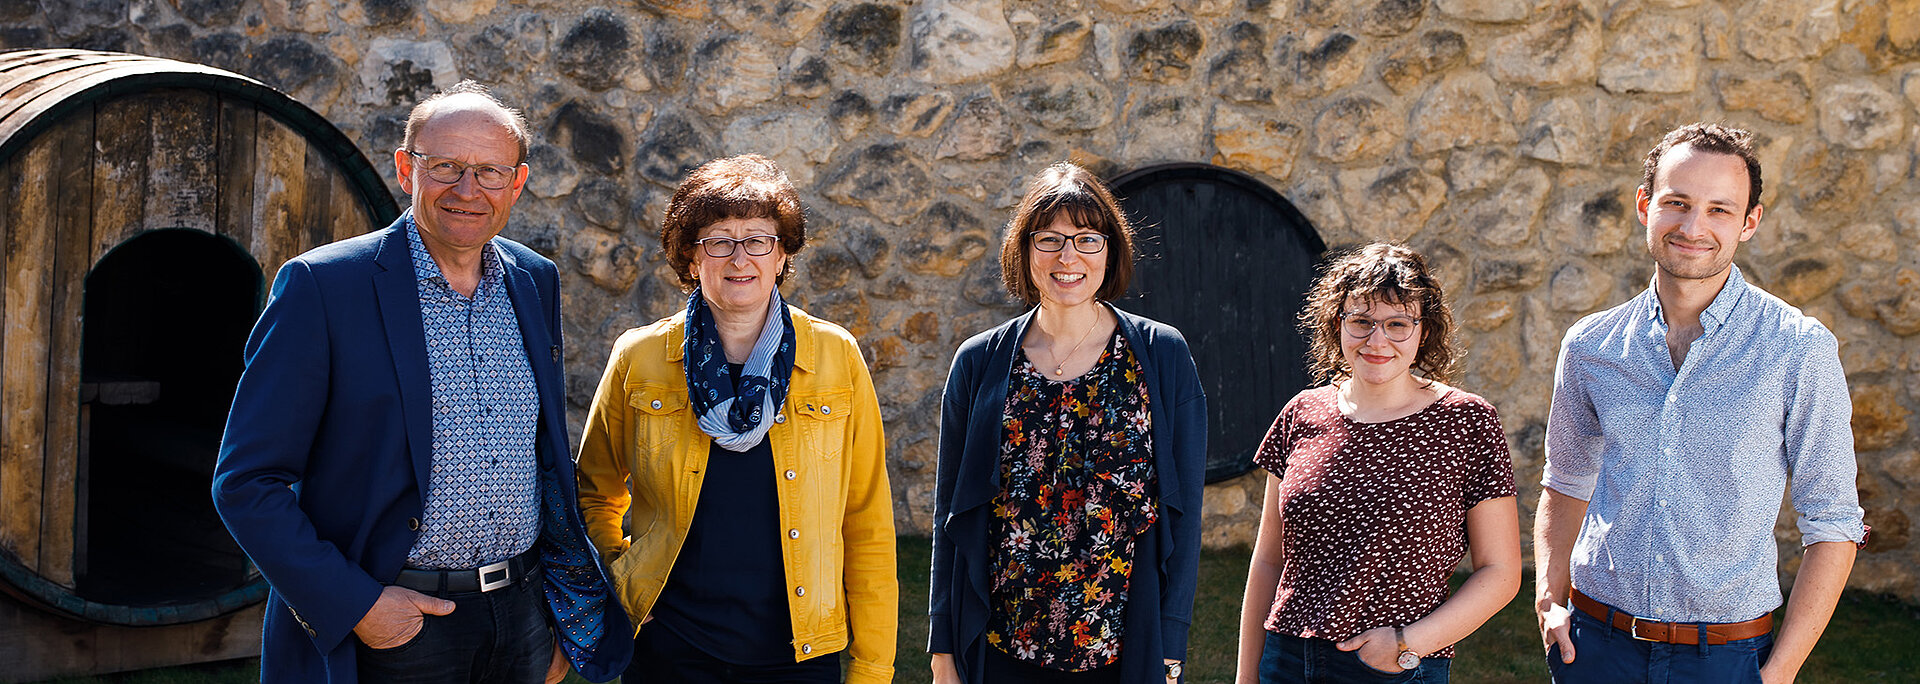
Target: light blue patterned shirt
482, 503
1684, 472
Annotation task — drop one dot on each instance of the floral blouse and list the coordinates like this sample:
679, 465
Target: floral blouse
1076, 477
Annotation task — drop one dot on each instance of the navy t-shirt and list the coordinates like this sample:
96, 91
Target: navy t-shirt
727, 594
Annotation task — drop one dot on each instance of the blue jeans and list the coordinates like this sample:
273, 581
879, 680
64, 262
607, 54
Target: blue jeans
1288, 659
497, 637
1604, 654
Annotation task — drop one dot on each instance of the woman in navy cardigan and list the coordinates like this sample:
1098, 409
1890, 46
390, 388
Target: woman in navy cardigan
1073, 441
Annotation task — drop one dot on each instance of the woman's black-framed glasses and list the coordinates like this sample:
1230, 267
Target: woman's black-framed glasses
721, 247
1084, 243
449, 171
1397, 328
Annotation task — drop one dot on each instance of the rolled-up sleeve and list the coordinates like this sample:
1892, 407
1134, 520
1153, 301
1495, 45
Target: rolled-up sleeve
1819, 446
1574, 439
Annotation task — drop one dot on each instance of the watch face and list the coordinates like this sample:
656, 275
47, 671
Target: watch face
1173, 670
1408, 660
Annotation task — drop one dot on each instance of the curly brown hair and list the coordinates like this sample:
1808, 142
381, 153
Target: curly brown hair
748, 186
1066, 189
1378, 272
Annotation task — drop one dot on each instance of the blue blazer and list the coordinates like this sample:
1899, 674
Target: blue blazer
323, 468
1166, 560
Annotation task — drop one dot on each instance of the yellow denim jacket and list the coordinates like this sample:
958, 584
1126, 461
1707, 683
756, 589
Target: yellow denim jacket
643, 450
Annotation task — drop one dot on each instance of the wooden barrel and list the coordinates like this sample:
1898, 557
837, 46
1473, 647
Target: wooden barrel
146, 202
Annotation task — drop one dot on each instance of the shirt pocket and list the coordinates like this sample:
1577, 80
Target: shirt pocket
822, 420
659, 412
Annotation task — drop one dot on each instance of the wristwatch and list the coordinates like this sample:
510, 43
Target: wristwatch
1408, 659
1173, 670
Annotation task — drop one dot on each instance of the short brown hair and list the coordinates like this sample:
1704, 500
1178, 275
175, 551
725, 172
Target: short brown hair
1066, 189
1707, 137
516, 122
1378, 272
748, 186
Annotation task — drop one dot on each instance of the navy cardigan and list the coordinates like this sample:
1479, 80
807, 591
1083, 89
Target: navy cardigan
1160, 592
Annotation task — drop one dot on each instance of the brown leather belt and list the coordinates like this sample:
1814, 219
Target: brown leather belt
1683, 633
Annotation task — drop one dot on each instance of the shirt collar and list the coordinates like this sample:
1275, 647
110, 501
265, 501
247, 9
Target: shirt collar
425, 269
1717, 312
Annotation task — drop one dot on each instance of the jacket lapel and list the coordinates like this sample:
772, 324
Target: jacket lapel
980, 467
397, 292
1159, 409
529, 311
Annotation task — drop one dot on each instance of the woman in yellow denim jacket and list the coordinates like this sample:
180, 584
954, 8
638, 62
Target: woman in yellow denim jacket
759, 536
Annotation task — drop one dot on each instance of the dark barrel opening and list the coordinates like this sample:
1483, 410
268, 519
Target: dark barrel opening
166, 318
1228, 261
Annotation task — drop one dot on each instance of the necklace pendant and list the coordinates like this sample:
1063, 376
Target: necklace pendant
1058, 370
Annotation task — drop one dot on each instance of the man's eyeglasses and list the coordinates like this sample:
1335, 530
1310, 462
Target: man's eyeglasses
1397, 328
722, 247
1084, 243
449, 171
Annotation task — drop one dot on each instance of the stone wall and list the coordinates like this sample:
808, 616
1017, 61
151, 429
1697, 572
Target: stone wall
1502, 137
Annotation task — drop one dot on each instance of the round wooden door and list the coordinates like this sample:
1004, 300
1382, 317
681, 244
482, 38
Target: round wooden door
1228, 261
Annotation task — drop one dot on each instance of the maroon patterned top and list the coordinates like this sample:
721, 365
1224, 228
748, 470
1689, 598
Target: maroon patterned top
1375, 514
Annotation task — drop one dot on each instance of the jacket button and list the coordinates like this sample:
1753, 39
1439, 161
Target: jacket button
779, 418
799, 591
793, 534
656, 404
806, 648
826, 410
791, 475
413, 524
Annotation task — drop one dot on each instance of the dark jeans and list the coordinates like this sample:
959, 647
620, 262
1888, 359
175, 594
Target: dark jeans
497, 637
661, 656
1006, 669
1604, 654
1288, 659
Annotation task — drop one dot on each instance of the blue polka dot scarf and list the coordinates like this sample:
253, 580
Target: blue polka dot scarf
736, 414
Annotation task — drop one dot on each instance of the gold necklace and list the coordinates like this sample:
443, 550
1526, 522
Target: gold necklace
1060, 365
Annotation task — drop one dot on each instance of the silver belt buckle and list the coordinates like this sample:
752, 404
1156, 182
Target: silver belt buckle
488, 571
1633, 629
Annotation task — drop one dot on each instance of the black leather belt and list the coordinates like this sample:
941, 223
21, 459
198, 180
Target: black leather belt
482, 579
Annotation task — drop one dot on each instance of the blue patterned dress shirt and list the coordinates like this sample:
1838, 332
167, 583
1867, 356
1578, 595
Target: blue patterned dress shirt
482, 500
1684, 469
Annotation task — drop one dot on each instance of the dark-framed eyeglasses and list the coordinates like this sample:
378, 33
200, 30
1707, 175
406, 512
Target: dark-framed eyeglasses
449, 171
721, 247
1397, 328
1084, 243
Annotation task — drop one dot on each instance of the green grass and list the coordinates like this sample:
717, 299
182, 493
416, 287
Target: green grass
1871, 639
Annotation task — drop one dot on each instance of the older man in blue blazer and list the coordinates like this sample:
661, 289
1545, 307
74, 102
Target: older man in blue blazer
396, 462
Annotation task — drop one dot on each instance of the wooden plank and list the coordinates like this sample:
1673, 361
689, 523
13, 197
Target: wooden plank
36, 645
349, 210
182, 183
124, 137
279, 193
12, 181
82, 492
60, 481
319, 201
23, 380
233, 207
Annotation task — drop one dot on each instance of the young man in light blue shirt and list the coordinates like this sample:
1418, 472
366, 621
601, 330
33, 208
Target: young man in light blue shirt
1679, 419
